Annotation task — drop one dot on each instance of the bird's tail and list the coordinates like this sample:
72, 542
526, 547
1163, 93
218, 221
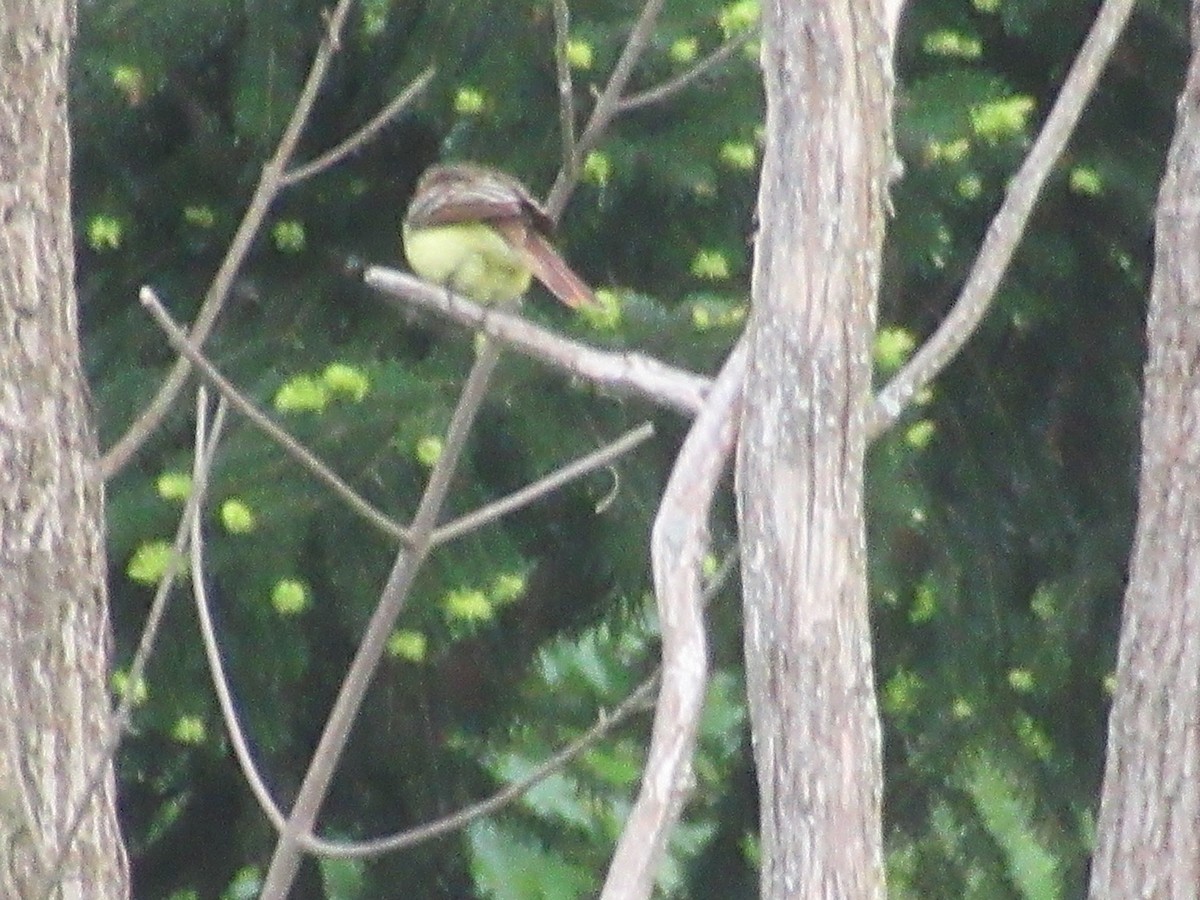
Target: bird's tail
551, 270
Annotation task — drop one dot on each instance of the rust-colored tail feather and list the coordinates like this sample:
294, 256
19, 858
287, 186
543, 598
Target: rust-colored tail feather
551, 270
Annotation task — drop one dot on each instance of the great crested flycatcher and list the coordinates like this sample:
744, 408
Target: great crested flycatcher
479, 232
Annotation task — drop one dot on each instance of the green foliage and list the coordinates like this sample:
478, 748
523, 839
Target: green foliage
1000, 509
507, 866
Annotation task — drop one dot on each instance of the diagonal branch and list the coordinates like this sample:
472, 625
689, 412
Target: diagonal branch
606, 722
605, 108
626, 373
335, 155
639, 698
286, 860
1008, 226
184, 345
689, 76
552, 482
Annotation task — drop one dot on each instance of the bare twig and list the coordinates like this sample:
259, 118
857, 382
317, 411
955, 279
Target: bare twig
184, 345
692, 74
269, 184
636, 700
629, 373
526, 495
566, 90
1008, 226
606, 722
605, 108
678, 543
332, 157
119, 726
212, 651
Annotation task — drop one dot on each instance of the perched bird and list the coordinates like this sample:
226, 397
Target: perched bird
481, 234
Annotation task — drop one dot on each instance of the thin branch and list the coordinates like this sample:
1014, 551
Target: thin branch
566, 90
635, 701
626, 373
1008, 226
212, 651
673, 86
185, 347
678, 543
595, 460
119, 724
334, 156
286, 859
605, 723
269, 184
605, 108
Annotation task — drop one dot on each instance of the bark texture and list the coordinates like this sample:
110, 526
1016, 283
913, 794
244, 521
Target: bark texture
1148, 836
54, 706
822, 200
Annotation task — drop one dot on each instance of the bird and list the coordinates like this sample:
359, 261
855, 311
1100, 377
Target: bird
481, 233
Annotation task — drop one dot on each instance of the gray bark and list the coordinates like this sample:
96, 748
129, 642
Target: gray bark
826, 67
54, 706
1148, 834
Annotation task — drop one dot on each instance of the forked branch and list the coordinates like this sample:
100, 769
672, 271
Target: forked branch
271, 182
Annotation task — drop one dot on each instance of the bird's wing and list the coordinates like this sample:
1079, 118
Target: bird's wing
463, 193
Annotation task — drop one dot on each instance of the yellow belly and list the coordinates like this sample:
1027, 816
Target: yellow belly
470, 258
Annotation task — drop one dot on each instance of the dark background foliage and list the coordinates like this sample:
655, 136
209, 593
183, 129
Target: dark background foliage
1000, 509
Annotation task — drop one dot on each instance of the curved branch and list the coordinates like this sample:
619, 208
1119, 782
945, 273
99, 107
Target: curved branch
678, 543
212, 652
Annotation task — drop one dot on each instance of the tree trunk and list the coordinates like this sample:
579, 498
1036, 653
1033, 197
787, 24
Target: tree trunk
1148, 840
54, 707
800, 459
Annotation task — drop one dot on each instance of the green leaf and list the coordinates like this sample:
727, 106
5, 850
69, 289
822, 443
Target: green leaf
174, 485
237, 516
150, 562
408, 645
302, 393
346, 380
289, 597
1007, 817
343, 879
507, 865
